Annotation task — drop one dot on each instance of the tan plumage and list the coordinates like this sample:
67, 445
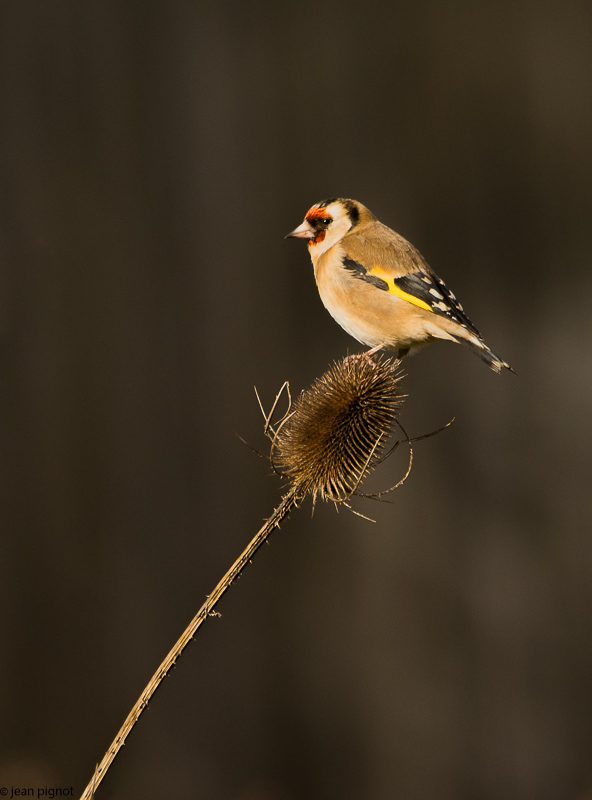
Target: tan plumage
378, 287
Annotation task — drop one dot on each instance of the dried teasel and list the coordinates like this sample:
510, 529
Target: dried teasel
325, 444
336, 431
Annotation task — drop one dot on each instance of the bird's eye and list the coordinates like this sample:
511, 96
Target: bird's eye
326, 220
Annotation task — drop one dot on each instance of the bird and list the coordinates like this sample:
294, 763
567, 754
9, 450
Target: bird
379, 288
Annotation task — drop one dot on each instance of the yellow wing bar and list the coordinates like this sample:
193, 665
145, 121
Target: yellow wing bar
394, 289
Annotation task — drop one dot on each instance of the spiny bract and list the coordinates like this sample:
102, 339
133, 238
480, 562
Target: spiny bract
339, 426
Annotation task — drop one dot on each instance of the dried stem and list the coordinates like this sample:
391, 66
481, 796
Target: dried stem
326, 443
281, 512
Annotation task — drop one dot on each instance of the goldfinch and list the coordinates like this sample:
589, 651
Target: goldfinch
378, 287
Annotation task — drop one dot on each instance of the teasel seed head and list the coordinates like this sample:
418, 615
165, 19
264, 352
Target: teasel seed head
335, 432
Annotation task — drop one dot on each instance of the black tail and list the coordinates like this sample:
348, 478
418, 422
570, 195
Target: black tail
479, 347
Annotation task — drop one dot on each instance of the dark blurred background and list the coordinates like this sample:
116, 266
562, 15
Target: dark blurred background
153, 156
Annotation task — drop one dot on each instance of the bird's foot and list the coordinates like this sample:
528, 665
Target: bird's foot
367, 356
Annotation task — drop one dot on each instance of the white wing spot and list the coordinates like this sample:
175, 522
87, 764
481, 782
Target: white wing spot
425, 279
437, 294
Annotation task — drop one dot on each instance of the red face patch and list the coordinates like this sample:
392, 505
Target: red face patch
317, 239
314, 216
317, 214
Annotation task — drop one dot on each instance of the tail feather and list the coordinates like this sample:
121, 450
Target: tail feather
479, 347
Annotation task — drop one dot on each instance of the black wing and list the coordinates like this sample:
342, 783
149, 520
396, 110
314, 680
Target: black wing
429, 288
425, 286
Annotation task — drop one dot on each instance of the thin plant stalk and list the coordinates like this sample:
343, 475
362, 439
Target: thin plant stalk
288, 503
325, 444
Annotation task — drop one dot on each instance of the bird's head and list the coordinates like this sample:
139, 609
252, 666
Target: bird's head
326, 223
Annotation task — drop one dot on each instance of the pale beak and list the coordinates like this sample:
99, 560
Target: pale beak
304, 231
